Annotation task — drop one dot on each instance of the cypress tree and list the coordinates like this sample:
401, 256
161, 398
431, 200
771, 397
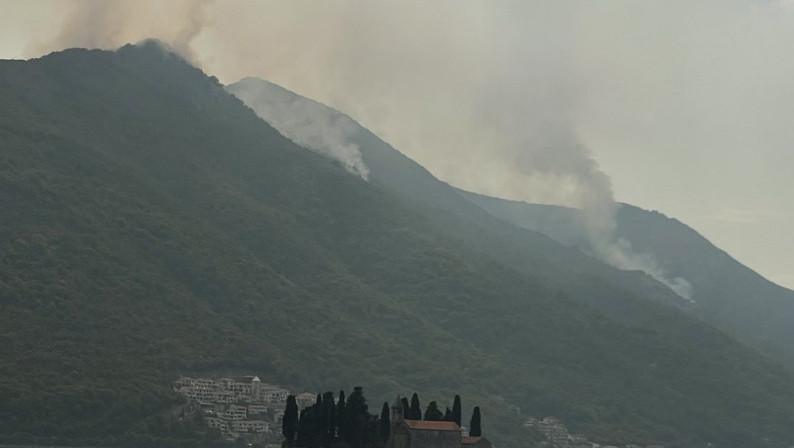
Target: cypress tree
448, 415
304, 430
340, 416
327, 421
432, 413
456, 411
356, 418
332, 423
416, 410
384, 424
289, 425
474, 426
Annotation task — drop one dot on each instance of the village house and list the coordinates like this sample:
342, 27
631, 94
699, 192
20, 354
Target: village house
251, 426
238, 407
215, 422
235, 413
256, 409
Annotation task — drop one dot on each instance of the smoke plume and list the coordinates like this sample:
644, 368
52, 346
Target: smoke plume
556, 155
109, 24
303, 121
488, 98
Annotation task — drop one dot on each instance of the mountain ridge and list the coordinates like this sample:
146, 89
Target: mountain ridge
730, 295
153, 224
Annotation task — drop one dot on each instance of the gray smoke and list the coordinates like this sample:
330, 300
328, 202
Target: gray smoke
487, 96
302, 121
108, 24
556, 155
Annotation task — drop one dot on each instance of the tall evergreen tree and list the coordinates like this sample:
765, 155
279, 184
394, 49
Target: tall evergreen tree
448, 415
456, 410
327, 421
289, 424
305, 429
356, 418
340, 416
332, 425
416, 411
432, 413
384, 424
474, 426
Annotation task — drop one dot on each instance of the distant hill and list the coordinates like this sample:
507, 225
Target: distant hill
152, 224
623, 296
728, 294
531, 253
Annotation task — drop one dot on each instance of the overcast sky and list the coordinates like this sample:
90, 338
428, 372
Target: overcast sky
687, 106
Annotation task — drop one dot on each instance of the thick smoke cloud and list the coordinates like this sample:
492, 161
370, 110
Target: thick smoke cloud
518, 99
108, 24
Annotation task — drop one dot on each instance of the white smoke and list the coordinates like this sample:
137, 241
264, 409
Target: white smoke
488, 98
555, 154
109, 24
303, 121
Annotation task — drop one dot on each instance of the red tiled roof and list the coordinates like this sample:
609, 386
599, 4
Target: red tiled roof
470, 440
432, 426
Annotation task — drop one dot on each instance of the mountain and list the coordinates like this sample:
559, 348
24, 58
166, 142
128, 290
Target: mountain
727, 294
531, 253
152, 224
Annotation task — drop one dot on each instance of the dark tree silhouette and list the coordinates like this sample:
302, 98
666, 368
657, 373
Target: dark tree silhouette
432, 413
340, 416
406, 408
416, 411
474, 426
456, 410
356, 418
289, 425
448, 415
384, 425
327, 421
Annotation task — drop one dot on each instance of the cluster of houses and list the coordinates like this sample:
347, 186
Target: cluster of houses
252, 410
238, 407
557, 435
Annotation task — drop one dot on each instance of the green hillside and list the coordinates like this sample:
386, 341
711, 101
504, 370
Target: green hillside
727, 294
151, 224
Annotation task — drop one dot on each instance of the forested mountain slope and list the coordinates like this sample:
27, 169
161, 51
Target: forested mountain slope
151, 224
622, 295
727, 293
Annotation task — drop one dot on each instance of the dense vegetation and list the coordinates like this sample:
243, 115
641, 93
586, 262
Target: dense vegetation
348, 422
152, 224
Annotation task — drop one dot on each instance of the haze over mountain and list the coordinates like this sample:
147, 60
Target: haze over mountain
728, 294
153, 224
684, 105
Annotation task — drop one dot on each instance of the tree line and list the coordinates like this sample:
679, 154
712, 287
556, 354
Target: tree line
347, 421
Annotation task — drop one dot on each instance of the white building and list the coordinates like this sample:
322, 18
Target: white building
215, 422
257, 409
251, 426
235, 413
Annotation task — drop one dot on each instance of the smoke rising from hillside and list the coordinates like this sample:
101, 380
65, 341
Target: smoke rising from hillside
108, 24
557, 153
516, 99
303, 122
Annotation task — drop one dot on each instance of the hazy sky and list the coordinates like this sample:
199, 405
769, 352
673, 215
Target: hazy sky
687, 106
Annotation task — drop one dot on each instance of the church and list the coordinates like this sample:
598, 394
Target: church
428, 434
